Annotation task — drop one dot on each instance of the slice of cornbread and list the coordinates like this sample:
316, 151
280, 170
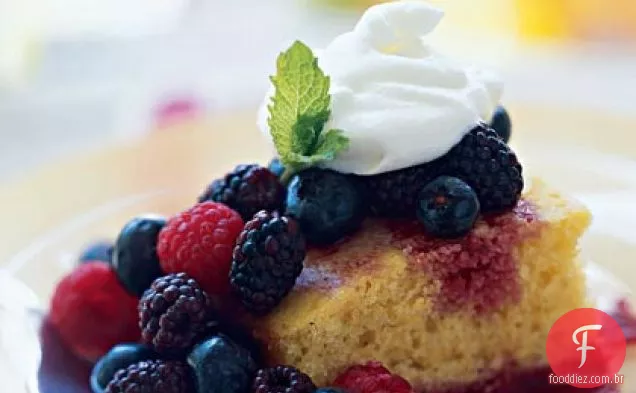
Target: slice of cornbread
436, 312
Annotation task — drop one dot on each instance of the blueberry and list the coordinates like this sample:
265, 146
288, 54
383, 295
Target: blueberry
276, 167
222, 366
501, 123
135, 255
328, 205
101, 251
447, 207
120, 356
329, 390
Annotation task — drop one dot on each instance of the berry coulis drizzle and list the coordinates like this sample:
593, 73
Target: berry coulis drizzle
477, 272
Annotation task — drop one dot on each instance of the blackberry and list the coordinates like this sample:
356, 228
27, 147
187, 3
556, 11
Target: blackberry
174, 313
247, 189
282, 379
268, 257
394, 194
487, 164
154, 376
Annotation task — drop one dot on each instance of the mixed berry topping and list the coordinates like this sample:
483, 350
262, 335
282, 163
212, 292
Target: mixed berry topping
247, 189
156, 376
174, 313
268, 258
328, 205
282, 379
135, 254
199, 242
481, 159
501, 123
447, 207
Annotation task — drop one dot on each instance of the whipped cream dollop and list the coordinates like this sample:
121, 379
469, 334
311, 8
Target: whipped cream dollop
398, 101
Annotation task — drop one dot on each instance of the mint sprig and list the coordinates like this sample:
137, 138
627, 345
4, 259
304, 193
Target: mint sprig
299, 110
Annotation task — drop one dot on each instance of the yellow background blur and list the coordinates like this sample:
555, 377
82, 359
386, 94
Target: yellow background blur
539, 19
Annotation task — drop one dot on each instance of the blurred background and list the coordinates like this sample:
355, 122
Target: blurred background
78, 74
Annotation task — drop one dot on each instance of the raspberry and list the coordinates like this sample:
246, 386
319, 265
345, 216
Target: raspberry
92, 311
173, 313
199, 242
282, 379
268, 258
247, 189
394, 194
487, 164
371, 378
154, 376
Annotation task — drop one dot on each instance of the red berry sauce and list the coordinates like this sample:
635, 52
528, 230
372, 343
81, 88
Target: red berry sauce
477, 272
626, 318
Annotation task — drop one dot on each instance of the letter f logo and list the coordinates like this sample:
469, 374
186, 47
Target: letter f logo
583, 344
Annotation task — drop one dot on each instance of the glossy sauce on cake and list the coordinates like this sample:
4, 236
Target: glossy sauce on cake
477, 271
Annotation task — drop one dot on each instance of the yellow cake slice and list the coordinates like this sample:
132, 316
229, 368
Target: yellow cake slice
436, 312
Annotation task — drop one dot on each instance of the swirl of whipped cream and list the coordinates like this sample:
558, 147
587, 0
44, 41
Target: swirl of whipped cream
398, 101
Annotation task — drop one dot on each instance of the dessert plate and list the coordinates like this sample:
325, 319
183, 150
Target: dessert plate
56, 211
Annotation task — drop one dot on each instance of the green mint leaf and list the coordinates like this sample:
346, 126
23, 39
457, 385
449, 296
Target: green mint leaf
299, 110
330, 144
305, 133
